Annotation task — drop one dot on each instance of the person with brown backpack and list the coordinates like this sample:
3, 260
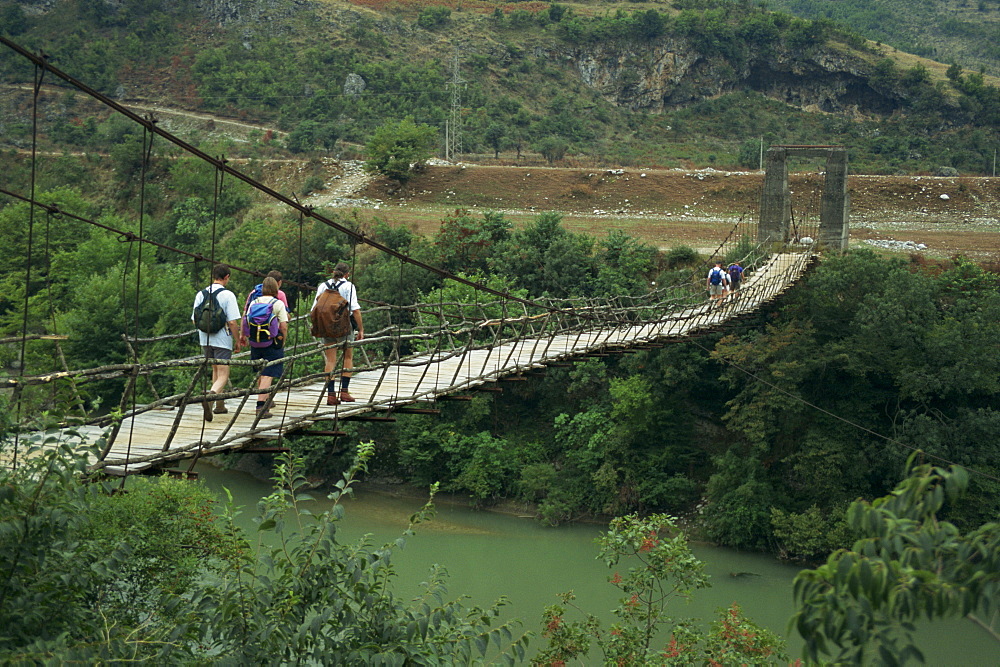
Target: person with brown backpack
336, 320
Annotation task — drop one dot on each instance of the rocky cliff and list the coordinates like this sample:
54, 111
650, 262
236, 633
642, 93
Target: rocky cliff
668, 72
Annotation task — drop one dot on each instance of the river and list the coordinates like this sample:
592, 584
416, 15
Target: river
488, 555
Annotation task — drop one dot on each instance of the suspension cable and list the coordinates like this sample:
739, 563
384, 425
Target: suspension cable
359, 236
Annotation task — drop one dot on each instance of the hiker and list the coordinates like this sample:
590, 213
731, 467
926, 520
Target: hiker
218, 323
355, 331
281, 294
258, 290
265, 326
735, 276
716, 282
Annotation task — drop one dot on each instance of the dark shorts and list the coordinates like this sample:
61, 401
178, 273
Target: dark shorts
736, 285
212, 352
269, 353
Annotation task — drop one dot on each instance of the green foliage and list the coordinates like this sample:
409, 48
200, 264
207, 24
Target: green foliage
936, 30
464, 243
144, 552
808, 535
433, 17
310, 135
304, 595
661, 570
553, 149
168, 581
396, 146
892, 350
908, 565
679, 256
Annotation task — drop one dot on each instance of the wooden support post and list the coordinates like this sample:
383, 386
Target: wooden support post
454, 397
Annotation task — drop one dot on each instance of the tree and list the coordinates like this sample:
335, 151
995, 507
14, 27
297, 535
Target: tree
396, 148
465, 243
495, 134
662, 569
309, 135
908, 565
552, 148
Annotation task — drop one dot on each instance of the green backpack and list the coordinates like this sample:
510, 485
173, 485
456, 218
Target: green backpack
209, 316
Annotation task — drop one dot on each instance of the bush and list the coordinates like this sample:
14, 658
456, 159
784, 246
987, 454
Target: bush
680, 256
396, 148
432, 17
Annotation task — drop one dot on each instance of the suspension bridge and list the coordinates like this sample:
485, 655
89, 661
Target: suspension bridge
413, 355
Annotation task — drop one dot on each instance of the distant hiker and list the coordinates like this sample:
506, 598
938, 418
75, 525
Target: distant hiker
716, 282
216, 314
735, 276
265, 326
336, 319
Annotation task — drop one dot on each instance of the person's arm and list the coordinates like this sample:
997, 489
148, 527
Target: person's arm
237, 332
360, 333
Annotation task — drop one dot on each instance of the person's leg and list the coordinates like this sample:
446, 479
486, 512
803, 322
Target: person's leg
206, 405
220, 376
263, 398
345, 375
330, 356
263, 385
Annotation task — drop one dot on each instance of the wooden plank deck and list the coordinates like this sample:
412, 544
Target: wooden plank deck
140, 443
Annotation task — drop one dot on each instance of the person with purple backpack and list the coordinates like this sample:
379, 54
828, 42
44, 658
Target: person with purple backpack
265, 326
735, 276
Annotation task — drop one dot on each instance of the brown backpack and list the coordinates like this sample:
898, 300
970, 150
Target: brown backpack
331, 318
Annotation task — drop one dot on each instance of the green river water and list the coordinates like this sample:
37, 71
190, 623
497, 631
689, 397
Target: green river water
488, 555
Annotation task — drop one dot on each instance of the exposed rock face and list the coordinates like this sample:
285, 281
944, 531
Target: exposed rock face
668, 72
354, 85
239, 12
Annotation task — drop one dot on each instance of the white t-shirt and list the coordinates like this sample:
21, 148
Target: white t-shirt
227, 300
346, 290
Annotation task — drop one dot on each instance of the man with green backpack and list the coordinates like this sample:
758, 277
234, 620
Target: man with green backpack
216, 315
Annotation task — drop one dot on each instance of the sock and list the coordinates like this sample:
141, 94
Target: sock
260, 404
331, 386
345, 381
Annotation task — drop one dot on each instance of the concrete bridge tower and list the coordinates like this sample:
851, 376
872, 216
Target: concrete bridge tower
776, 201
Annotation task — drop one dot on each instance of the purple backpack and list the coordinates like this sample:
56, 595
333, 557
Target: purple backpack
260, 324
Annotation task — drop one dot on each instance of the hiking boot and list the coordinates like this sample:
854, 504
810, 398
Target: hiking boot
264, 413
206, 405
220, 407
345, 397
331, 399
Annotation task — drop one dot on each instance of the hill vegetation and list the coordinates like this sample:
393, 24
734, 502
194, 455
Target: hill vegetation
699, 82
950, 31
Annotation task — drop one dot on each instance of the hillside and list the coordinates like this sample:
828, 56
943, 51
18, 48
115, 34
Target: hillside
697, 83
961, 31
